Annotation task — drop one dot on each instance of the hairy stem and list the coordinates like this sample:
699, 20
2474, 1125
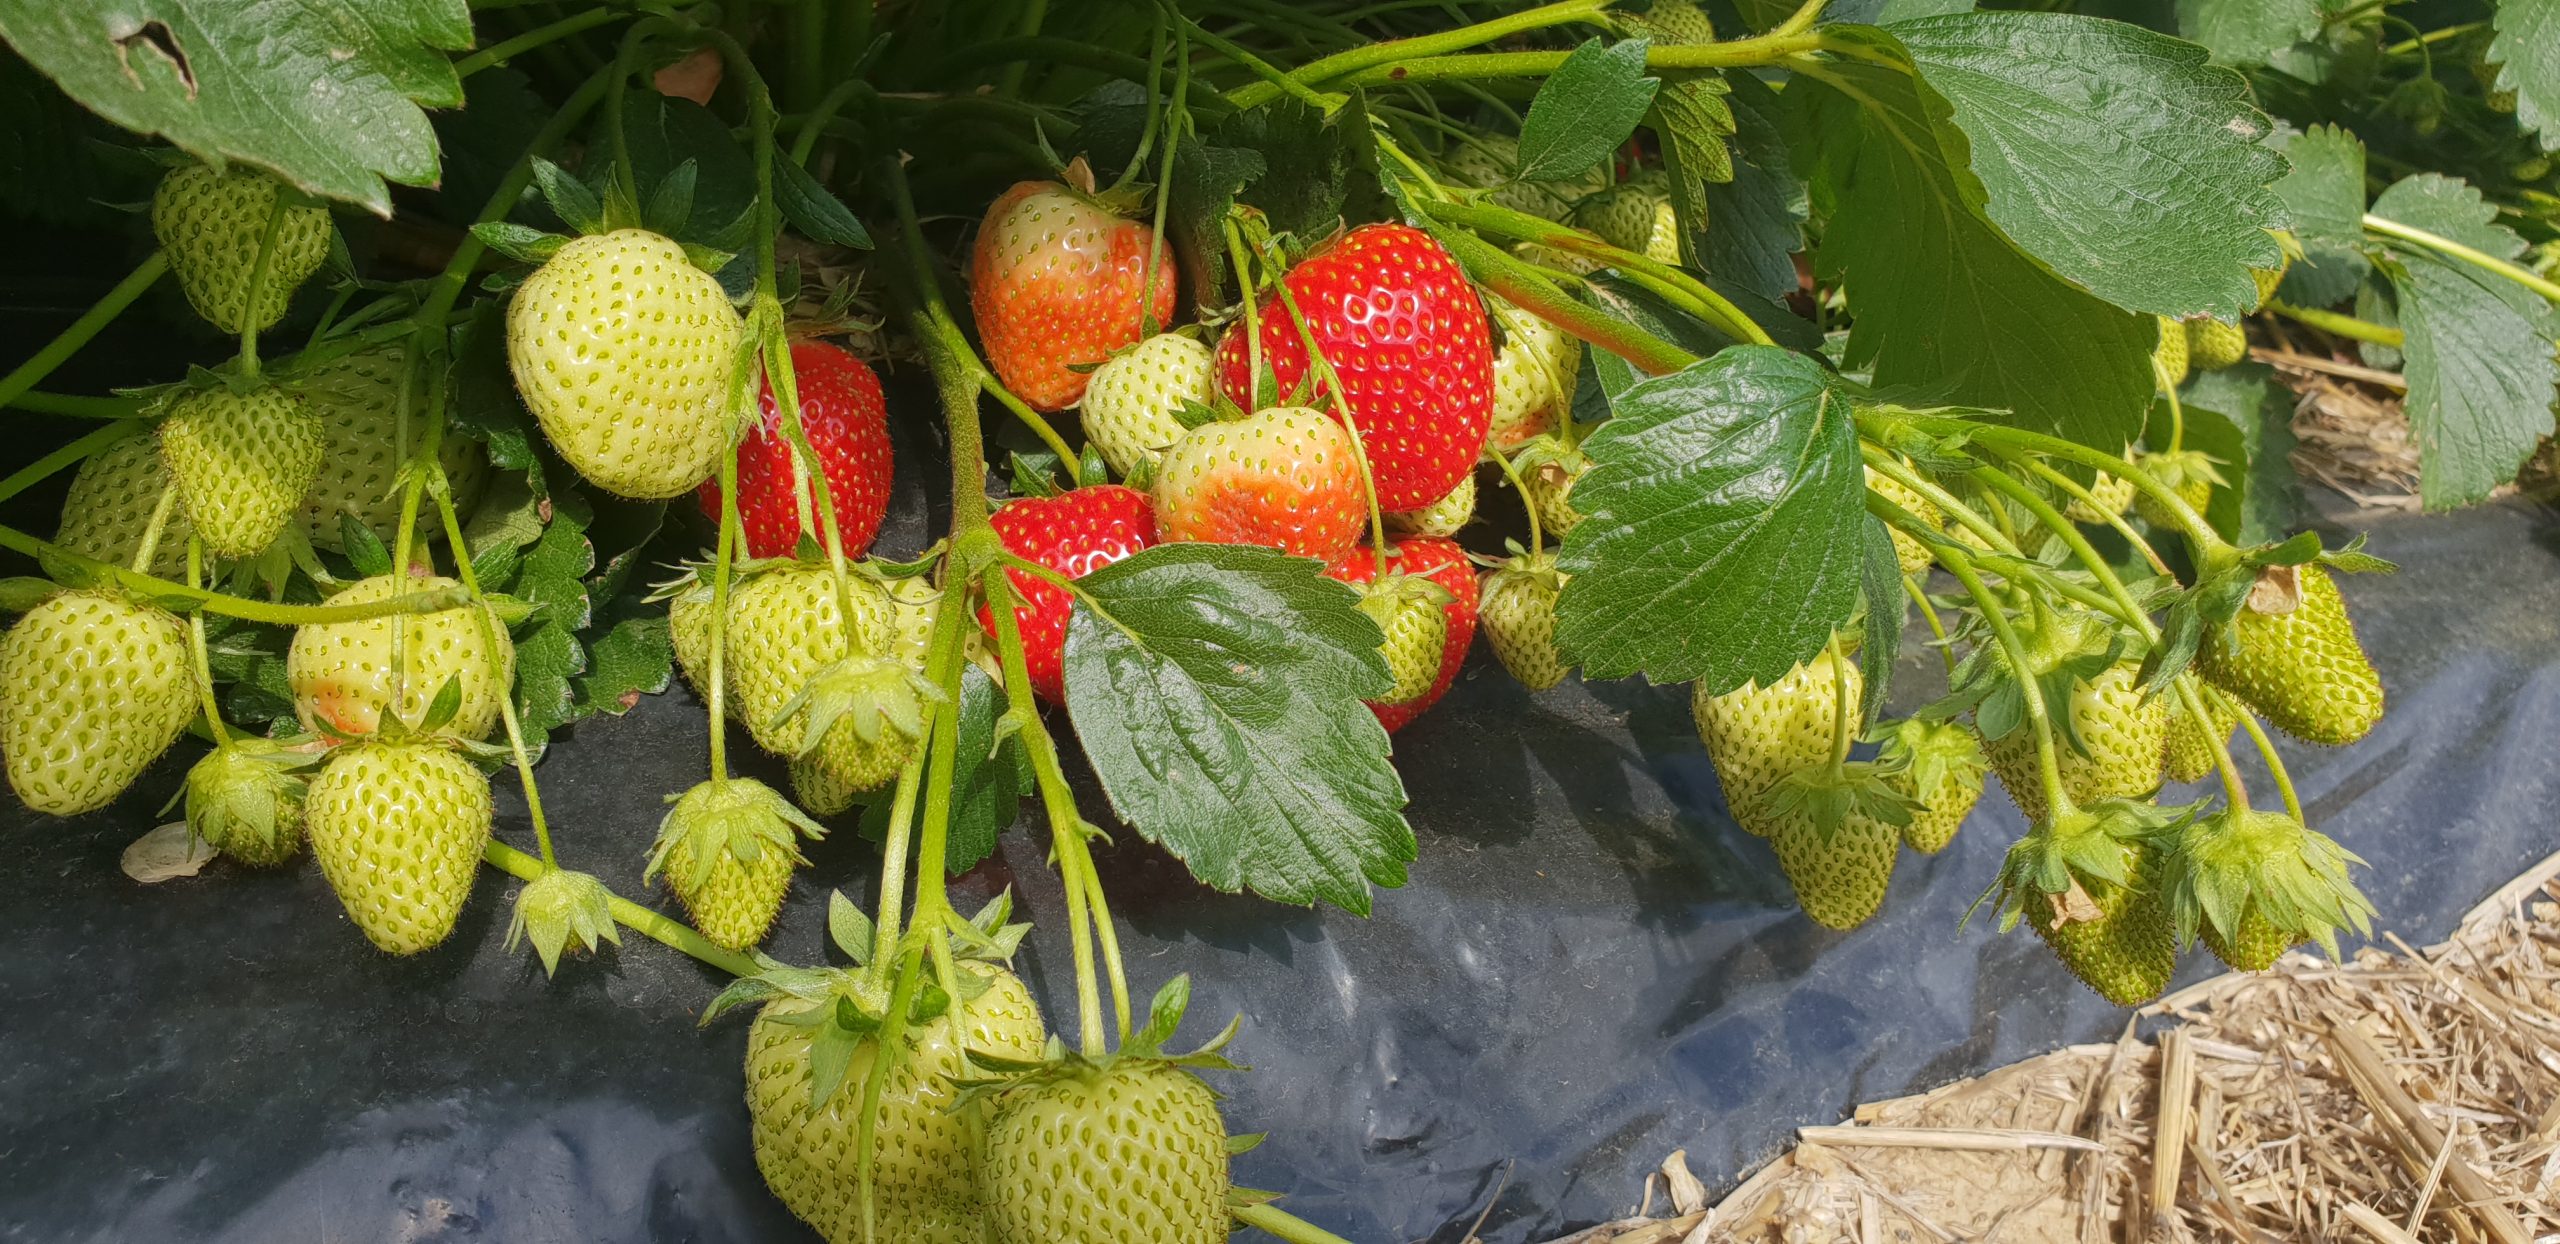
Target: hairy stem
1674, 285
2448, 247
540, 36
185, 597
195, 642
2346, 326
670, 932
1528, 288
79, 450
1285, 1225
1350, 62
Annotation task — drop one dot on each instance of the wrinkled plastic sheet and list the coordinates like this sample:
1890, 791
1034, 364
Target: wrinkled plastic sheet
1592, 966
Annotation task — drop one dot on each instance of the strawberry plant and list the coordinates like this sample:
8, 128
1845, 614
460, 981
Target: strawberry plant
1734, 341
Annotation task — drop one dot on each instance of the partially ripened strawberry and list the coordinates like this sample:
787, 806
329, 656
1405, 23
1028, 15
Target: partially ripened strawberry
109, 509
1058, 281
345, 675
1445, 564
1287, 478
93, 687
1073, 533
623, 350
848, 431
1132, 408
241, 462
213, 222
1398, 323
847, 423
397, 826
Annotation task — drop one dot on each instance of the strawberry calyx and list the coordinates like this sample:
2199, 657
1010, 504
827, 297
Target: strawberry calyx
1827, 796
737, 818
244, 797
559, 909
2074, 846
2237, 864
1145, 1047
877, 695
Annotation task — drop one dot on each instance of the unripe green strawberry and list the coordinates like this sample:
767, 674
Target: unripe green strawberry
1442, 517
2115, 938
819, 788
357, 400
2112, 494
1560, 260
397, 827
913, 603
93, 687
2255, 884
1632, 218
727, 847
622, 350
1840, 876
2170, 355
785, 626
1938, 766
1132, 402
1548, 469
1908, 552
242, 463
1493, 160
1129, 1153
924, 1174
2213, 345
1519, 618
244, 800
1758, 735
2269, 278
212, 224
2121, 733
2186, 472
689, 614
1409, 612
2302, 668
1675, 22
2190, 750
1533, 376
110, 507
344, 675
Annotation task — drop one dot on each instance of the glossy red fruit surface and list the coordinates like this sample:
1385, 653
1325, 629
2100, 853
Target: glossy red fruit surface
1073, 533
848, 426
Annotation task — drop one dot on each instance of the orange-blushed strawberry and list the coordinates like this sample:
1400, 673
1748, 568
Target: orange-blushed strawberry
1287, 478
1057, 281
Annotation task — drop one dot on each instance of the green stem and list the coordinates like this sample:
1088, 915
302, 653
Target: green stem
2188, 699
1841, 736
1892, 468
1528, 288
1331, 381
492, 640
147, 549
672, 933
724, 555
499, 53
87, 444
1483, 66
1929, 614
2406, 46
1351, 62
2275, 764
1033, 15
2446, 246
2346, 326
935, 763
195, 642
1323, 104
1681, 289
1041, 48
2080, 492
185, 597
56, 352
1959, 563
258, 285
78, 406
2177, 410
1285, 1225
813, 124
1527, 503
2209, 544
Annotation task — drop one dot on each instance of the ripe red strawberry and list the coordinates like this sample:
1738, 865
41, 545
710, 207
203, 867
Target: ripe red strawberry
848, 427
1055, 282
1073, 533
1287, 478
1400, 325
1444, 563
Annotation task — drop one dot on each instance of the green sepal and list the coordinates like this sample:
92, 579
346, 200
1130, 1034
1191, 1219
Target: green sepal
849, 928
522, 243
2235, 861
671, 200
572, 200
20, 593
740, 817
559, 909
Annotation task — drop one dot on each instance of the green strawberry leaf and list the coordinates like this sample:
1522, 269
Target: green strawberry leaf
1868, 12
1943, 301
480, 393
549, 657
1586, 110
1715, 492
1694, 122
233, 82
522, 243
2479, 350
364, 547
813, 209
2527, 51
2325, 194
572, 200
1307, 161
850, 929
2243, 416
667, 133
2246, 32
1758, 216
988, 778
671, 200
1217, 692
628, 657
2115, 156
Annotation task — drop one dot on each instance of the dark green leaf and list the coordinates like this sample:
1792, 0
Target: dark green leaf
629, 656
1756, 219
1586, 110
815, 210
1219, 702
1307, 158
571, 200
2244, 417
364, 547
1726, 532
671, 200
2246, 32
2116, 156
481, 392
52, 153
1943, 302
1886, 608
2527, 50
238, 82
987, 781
2325, 193
666, 133
2479, 348
549, 657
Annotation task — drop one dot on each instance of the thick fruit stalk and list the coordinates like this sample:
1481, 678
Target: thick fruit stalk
2292, 654
397, 827
93, 687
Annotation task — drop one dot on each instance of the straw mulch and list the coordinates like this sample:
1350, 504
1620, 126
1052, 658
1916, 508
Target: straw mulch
2407, 1095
